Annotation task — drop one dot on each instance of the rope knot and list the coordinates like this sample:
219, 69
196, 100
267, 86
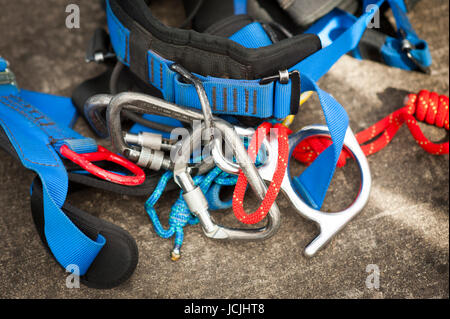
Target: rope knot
429, 107
179, 215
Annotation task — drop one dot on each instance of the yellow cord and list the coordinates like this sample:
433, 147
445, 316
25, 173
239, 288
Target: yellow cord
303, 98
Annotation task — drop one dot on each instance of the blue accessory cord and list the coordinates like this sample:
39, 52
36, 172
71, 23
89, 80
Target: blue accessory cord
180, 215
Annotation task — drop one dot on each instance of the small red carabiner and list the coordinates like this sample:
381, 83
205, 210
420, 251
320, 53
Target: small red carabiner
102, 154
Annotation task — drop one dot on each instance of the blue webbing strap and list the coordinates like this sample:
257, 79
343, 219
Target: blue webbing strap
313, 183
320, 62
58, 108
34, 137
252, 36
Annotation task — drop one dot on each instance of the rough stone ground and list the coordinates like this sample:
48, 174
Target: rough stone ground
404, 229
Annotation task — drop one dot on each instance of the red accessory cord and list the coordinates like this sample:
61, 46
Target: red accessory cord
275, 185
102, 154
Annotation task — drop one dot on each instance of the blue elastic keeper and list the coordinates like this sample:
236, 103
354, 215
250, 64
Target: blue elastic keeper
252, 36
282, 100
119, 35
79, 146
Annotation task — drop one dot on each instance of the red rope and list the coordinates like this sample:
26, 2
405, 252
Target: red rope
425, 107
275, 186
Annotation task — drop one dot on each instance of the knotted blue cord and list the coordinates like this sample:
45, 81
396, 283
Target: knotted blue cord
180, 215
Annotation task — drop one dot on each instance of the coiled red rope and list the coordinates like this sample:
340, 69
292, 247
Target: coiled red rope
275, 185
428, 107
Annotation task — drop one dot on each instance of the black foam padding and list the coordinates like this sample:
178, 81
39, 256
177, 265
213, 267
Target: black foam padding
371, 44
96, 85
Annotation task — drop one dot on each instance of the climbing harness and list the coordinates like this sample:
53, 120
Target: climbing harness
193, 194
241, 57
237, 66
426, 106
249, 70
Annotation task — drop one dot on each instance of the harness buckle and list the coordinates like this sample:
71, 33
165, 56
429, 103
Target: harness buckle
283, 77
407, 47
102, 154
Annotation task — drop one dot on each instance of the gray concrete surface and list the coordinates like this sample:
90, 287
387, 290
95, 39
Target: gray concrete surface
404, 229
